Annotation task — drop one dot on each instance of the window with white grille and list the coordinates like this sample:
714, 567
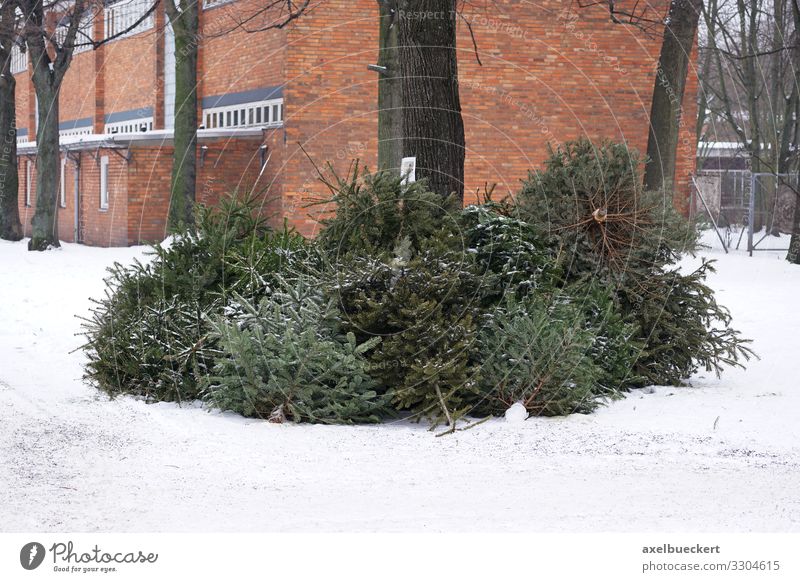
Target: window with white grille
257, 114
83, 38
19, 60
131, 126
212, 3
75, 131
28, 180
63, 180
123, 14
104, 183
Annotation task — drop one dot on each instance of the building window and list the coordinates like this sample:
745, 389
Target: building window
19, 60
104, 183
257, 114
123, 14
83, 39
213, 3
63, 186
28, 180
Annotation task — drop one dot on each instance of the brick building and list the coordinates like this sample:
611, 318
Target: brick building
550, 72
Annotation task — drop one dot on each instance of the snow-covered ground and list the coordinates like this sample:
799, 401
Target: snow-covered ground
722, 455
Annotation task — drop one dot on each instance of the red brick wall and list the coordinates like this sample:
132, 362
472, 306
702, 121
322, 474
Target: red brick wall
233, 60
103, 227
139, 189
98, 227
330, 100
686, 163
130, 72
271, 183
227, 166
546, 76
77, 98
24, 102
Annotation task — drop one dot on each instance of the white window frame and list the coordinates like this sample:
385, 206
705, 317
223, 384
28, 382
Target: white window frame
63, 184
19, 60
85, 33
28, 179
104, 183
122, 14
214, 3
254, 114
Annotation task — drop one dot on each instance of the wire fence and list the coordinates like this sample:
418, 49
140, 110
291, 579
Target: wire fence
758, 205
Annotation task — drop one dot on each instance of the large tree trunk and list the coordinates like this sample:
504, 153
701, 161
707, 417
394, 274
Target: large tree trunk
794, 245
10, 227
432, 122
185, 24
50, 61
390, 90
44, 225
670, 85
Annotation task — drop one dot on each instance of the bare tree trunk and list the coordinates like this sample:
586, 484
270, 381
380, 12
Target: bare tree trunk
432, 122
10, 227
794, 245
50, 62
185, 24
44, 225
793, 255
670, 85
390, 90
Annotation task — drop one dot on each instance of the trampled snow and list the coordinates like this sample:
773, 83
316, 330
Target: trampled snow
720, 455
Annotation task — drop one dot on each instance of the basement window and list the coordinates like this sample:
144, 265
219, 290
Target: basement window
28, 180
63, 185
104, 183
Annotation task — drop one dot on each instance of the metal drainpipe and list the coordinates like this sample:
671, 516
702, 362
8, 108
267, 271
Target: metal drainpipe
77, 162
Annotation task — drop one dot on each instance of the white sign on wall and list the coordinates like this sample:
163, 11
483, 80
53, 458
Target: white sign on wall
408, 170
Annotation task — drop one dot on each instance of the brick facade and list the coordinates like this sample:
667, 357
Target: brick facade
548, 74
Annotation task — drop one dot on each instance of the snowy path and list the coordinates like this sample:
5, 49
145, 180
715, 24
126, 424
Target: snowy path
70, 460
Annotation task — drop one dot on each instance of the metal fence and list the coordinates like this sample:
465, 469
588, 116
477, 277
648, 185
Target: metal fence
741, 202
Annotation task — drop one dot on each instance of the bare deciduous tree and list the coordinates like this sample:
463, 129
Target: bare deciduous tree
10, 226
750, 91
50, 58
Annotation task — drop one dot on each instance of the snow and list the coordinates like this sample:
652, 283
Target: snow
721, 455
516, 413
